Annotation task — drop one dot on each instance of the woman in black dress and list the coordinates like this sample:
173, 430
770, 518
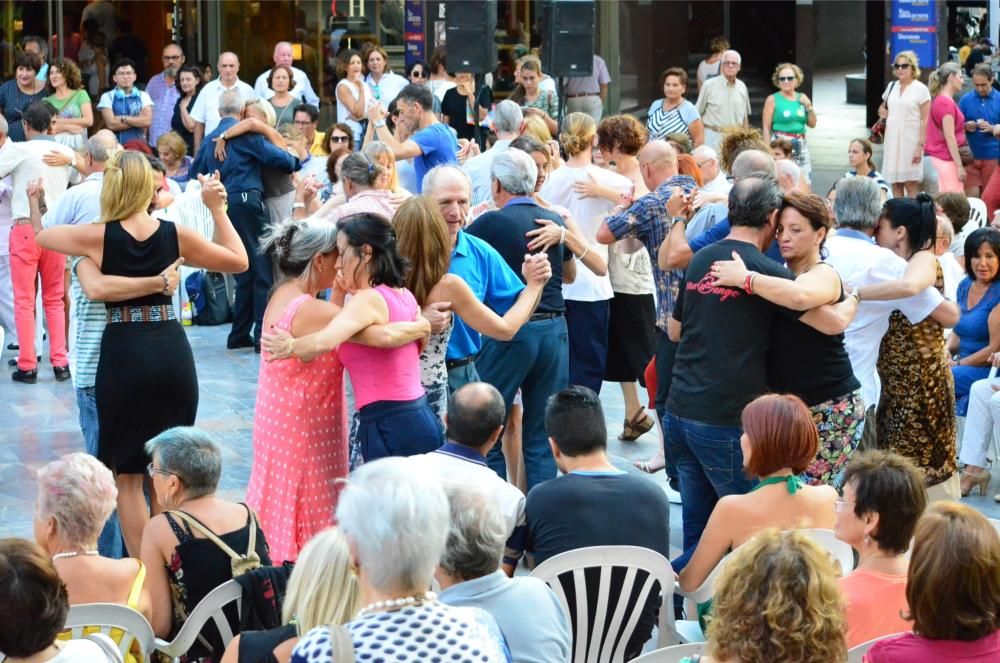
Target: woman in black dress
146, 381
189, 85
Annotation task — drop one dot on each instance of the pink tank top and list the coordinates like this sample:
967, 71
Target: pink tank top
385, 374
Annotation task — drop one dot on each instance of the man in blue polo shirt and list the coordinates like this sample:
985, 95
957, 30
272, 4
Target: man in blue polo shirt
492, 281
981, 108
430, 143
536, 360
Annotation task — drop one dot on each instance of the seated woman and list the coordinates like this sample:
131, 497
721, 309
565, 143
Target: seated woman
396, 523
977, 334
777, 600
953, 591
779, 441
395, 418
76, 495
884, 496
33, 607
180, 546
982, 423
299, 430
321, 590
805, 362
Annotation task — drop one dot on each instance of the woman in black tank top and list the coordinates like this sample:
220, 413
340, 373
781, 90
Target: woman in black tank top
146, 380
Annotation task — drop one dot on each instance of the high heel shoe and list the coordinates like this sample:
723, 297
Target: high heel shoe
972, 479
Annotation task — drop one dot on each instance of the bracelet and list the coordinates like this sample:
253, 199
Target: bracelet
380, 124
748, 282
562, 235
166, 283
298, 205
584, 254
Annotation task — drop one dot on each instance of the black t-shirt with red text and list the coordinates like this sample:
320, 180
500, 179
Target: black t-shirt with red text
721, 362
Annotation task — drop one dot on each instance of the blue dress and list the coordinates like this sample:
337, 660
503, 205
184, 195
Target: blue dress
974, 335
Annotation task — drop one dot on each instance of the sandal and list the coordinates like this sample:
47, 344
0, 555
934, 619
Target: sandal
650, 466
634, 428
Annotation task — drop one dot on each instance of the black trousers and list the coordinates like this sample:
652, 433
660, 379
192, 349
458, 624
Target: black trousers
249, 217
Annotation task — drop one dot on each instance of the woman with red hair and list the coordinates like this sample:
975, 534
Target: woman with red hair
779, 441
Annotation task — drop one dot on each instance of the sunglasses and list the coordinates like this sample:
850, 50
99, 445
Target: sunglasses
339, 139
786, 79
901, 65
418, 73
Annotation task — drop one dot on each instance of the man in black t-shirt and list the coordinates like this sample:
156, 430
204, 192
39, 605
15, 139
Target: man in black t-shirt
721, 365
594, 504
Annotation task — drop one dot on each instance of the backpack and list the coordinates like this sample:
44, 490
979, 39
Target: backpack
240, 563
209, 298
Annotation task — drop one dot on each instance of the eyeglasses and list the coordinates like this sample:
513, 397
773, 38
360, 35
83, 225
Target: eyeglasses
150, 470
840, 505
302, 123
702, 163
172, 57
901, 65
419, 73
339, 139
786, 79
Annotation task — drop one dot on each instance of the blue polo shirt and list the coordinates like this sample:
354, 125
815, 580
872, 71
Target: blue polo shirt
974, 107
719, 232
491, 281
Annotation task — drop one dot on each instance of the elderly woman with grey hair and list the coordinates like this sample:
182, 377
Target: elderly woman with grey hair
361, 176
76, 495
396, 524
182, 548
469, 576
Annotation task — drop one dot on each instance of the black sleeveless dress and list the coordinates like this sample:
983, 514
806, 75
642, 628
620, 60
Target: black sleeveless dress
146, 382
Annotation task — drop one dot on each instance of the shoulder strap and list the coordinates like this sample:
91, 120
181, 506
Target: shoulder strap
289, 314
341, 644
252, 522
209, 534
133, 595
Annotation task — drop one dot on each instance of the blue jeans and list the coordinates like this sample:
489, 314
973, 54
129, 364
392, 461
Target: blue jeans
109, 543
666, 353
710, 465
460, 376
536, 360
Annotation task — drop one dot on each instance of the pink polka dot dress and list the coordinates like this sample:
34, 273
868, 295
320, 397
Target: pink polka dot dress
299, 446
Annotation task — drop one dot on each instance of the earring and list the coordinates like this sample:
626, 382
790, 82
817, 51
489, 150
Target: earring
868, 540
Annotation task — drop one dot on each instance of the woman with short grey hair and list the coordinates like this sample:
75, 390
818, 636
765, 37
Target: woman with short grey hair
76, 495
200, 541
396, 524
470, 576
360, 175
300, 428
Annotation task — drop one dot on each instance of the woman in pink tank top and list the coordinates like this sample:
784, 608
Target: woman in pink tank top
299, 429
395, 417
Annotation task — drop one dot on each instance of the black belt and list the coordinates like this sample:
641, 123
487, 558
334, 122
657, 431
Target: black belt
545, 316
457, 363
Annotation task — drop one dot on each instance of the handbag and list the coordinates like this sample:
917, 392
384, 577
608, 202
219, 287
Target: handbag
966, 155
877, 132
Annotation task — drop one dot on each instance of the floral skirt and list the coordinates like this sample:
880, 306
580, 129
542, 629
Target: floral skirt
840, 423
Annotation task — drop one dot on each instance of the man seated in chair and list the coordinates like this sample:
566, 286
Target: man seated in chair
594, 504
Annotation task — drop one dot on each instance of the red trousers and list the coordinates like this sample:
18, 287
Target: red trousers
27, 262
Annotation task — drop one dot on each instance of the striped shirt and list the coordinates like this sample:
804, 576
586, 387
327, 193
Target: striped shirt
662, 123
86, 327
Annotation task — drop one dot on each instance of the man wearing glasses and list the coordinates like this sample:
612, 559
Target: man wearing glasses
306, 119
127, 110
724, 101
162, 89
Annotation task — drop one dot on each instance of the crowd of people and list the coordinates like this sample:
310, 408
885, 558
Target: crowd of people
436, 319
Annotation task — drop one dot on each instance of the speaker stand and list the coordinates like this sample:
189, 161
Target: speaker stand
479, 81
562, 106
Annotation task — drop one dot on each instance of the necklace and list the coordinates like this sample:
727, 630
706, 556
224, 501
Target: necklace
75, 553
397, 604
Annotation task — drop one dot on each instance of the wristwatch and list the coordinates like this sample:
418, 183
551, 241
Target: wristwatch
678, 219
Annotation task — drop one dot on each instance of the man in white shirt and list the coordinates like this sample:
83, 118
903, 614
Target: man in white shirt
586, 94
206, 108
302, 89
860, 262
724, 100
708, 163
27, 260
475, 420
508, 121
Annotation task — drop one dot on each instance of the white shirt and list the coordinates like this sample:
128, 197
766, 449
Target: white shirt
859, 263
478, 170
388, 87
719, 185
6, 220
588, 214
24, 162
303, 87
953, 275
206, 106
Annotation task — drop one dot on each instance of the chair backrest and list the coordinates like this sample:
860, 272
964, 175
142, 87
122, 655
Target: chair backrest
673, 654
631, 560
209, 608
977, 212
108, 616
841, 552
857, 654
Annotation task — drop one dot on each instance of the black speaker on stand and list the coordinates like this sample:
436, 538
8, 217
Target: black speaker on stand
568, 41
471, 45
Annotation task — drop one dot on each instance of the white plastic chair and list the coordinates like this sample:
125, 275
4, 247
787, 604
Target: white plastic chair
209, 608
841, 552
977, 212
857, 654
673, 654
625, 616
689, 630
108, 616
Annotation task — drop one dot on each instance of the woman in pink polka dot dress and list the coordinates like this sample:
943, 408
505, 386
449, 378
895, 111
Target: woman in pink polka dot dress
300, 427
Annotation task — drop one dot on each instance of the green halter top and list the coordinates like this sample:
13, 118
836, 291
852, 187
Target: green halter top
792, 482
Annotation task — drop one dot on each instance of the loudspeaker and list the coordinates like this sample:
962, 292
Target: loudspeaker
469, 30
568, 37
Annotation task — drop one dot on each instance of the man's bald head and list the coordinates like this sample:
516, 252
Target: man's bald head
229, 67
657, 162
475, 416
283, 53
100, 147
753, 161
